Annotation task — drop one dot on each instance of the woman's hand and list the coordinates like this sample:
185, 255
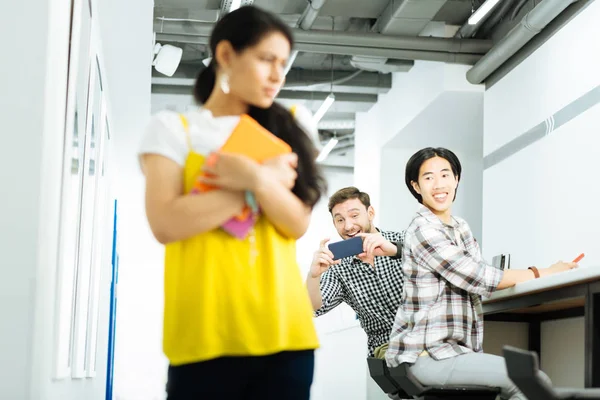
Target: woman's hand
558, 267
231, 171
281, 169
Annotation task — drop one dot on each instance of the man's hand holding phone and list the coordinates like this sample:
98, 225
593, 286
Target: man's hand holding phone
322, 260
375, 245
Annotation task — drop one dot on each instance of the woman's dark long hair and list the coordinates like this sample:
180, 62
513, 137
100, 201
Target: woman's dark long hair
244, 28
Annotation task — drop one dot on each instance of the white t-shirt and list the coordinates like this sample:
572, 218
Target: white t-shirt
166, 136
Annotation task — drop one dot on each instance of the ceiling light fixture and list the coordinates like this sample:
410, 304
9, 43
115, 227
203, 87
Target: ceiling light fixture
290, 61
327, 149
482, 11
167, 58
324, 107
234, 5
328, 102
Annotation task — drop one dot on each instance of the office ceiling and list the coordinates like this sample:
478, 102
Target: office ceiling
371, 39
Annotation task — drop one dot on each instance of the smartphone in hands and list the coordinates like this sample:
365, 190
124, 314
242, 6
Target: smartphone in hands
346, 248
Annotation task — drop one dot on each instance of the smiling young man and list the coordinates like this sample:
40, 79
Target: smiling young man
439, 325
371, 283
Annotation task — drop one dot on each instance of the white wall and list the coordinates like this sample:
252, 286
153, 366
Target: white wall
27, 128
140, 367
32, 109
539, 203
410, 93
454, 119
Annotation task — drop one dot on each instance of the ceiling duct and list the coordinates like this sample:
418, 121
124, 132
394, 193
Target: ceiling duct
407, 17
367, 50
530, 25
350, 40
306, 21
381, 64
310, 14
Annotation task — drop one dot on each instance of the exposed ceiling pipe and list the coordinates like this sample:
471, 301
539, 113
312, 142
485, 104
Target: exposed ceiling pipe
310, 14
372, 82
452, 58
345, 140
186, 14
328, 83
215, 18
227, 6
399, 11
341, 149
493, 20
306, 21
344, 144
530, 25
372, 51
398, 18
184, 28
518, 8
366, 39
382, 65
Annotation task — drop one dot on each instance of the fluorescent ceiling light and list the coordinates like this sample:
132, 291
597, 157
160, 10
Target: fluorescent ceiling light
327, 149
482, 11
235, 4
324, 107
291, 60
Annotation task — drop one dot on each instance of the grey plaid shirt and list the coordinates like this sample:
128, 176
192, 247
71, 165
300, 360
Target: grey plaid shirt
373, 293
445, 278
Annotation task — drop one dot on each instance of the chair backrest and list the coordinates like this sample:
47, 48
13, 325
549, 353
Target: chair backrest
523, 370
406, 380
381, 375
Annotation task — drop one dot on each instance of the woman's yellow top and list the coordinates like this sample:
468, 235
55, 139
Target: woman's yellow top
223, 299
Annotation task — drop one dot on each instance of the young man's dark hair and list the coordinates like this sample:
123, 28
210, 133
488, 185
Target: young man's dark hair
414, 164
348, 193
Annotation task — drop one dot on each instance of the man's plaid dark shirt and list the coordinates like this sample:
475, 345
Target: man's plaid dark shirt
373, 293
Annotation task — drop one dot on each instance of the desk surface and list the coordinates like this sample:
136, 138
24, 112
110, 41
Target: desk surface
567, 278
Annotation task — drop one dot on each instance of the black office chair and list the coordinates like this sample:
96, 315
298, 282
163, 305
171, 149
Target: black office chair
523, 370
402, 384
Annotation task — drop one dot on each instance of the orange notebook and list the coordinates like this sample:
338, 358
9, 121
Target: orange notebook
251, 139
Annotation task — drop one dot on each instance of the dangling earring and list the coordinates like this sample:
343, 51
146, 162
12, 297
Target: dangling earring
224, 81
